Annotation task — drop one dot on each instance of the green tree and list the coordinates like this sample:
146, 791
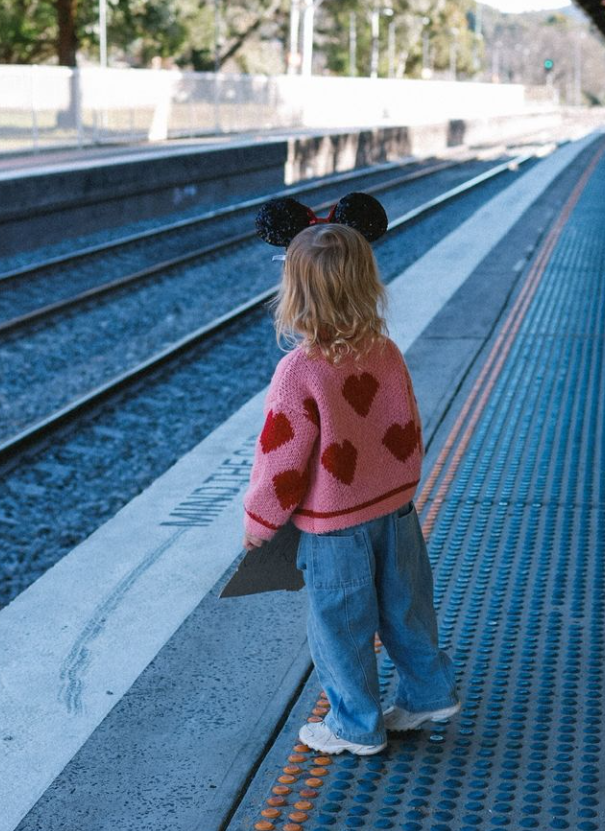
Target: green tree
142, 29
237, 28
332, 40
452, 39
251, 35
38, 31
406, 27
27, 31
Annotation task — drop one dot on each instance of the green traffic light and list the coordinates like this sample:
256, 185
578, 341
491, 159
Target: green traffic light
548, 64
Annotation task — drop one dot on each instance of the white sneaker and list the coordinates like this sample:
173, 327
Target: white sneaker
396, 718
318, 736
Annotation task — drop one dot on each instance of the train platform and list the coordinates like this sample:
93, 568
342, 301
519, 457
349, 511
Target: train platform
134, 697
18, 165
43, 162
64, 159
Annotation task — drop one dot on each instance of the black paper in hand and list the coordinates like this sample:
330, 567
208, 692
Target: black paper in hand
272, 567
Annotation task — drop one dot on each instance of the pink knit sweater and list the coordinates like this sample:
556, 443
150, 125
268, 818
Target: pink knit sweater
340, 445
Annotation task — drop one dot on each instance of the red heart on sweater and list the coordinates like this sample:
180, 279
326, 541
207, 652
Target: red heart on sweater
311, 410
340, 460
401, 441
290, 487
359, 391
277, 431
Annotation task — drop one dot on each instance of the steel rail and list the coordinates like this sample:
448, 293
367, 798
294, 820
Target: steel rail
406, 161
41, 429
217, 213
198, 253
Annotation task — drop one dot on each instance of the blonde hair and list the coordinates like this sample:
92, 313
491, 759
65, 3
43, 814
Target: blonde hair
331, 297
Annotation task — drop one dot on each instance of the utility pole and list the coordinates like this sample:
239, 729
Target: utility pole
352, 44
478, 32
307, 50
496, 62
103, 32
391, 49
217, 35
294, 54
453, 52
375, 28
578, 68
426, 70
217, 66
478, 19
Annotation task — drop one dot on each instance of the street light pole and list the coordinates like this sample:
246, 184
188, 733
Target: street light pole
453, 52
103, 32
496, 62
307, 50
578, 69
293, 54
217, 35
391, 49
426, 71
478, 36
352, 44
375, 27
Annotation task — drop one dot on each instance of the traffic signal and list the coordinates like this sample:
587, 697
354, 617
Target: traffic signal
548, 64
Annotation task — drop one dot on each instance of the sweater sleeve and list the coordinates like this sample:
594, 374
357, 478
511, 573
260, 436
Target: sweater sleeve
279, 476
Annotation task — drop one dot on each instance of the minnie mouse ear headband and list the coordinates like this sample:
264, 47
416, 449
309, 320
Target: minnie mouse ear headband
280, 220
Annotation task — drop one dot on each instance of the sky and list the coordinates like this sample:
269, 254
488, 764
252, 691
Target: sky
526, 5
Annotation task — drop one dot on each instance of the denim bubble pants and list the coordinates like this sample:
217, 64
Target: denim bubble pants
373, 577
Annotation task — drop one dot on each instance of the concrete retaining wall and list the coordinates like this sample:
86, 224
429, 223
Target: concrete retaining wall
320, 155
52, 204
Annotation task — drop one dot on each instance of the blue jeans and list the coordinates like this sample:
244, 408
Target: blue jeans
373, 577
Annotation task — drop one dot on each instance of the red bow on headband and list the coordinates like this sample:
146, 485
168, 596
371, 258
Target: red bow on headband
317, 220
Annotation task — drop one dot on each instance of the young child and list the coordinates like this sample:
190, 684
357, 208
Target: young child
340, 455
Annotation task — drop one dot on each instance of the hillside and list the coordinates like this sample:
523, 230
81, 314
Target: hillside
516, 46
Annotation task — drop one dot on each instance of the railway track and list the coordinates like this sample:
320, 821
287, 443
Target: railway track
33, 269
28, 439
40, 290
66, 474
180, 235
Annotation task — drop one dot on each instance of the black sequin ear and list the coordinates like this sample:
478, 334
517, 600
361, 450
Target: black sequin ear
280, 220
364, 213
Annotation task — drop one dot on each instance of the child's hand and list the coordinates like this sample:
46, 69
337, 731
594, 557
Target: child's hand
250, 541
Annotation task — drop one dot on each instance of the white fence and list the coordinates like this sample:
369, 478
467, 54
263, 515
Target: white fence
45, 106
